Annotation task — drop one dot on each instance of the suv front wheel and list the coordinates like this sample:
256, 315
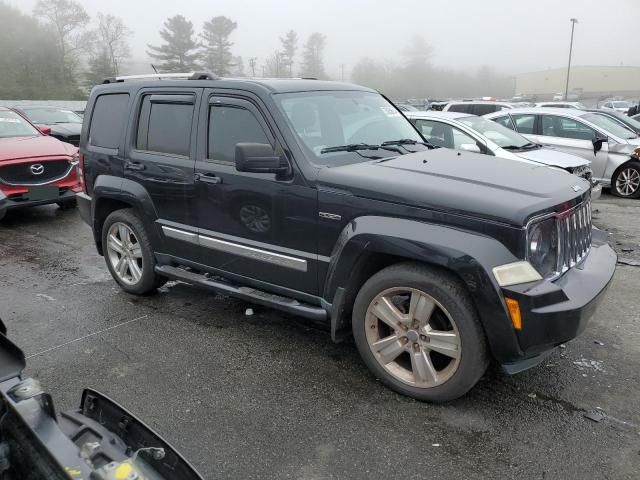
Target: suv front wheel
418, 332
129, 254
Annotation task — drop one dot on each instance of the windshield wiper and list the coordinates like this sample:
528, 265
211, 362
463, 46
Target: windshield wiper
354, 147
526, 146
407, 141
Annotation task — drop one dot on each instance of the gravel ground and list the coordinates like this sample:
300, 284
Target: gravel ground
270, 396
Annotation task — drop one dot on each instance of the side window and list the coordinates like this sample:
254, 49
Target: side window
436, 133
525, 123
554, 126
109, 117
504, 121
460, 107
165, 127
483, 108
228, 126
460, 138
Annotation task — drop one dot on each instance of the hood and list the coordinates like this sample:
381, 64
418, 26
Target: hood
28, 147
461, 183
554, 158
65, 129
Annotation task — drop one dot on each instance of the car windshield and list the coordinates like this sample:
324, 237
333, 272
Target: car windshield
621, 104
13, 125
610, 125
622, 118
324, 121
500, 135
51, 115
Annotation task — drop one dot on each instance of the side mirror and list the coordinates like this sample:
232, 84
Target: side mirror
470, 147
44, 129
597, 143
259, 158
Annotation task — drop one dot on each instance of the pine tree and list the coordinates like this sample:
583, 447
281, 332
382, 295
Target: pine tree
312, 56
216, 53
289, 48
100, 67
179, 52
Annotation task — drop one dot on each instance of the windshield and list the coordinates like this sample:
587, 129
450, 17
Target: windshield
322, 120
51, 115
13, 125
500, 135
621, 104
610, 125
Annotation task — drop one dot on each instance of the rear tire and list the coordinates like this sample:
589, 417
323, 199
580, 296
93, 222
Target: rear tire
67, 204
417, 331
129, 254
625, 182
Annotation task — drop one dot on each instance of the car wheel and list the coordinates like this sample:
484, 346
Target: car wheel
67, 204
626, 181
128, 253
417, 331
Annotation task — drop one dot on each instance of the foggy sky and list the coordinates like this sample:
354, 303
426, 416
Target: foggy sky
509, 35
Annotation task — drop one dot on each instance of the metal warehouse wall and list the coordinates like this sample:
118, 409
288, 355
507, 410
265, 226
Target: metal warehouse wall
585, 79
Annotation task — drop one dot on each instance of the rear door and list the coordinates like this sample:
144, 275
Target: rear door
260, 226
162, 159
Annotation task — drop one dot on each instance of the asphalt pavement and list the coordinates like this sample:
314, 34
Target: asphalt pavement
270, 396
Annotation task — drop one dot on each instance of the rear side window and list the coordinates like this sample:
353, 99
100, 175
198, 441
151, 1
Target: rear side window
461, 107
165, 124
483, 109
108, 120
525, 123
228, 126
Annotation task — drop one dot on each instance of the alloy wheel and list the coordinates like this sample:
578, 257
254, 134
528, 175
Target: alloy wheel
124, 253
628, 182
413, 337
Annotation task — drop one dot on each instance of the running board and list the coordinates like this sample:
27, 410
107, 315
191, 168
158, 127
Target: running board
249, 294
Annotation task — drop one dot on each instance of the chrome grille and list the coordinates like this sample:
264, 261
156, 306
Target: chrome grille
574, 235
22, 174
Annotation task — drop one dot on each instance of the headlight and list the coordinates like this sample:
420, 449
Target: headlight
542, 246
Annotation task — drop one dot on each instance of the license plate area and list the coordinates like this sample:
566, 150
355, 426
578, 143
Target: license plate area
35, 194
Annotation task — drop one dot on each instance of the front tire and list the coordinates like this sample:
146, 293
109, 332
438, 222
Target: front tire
626, 181
129, 254
417, 331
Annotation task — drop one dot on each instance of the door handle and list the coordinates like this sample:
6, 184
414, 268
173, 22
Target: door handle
208, 178
134, 166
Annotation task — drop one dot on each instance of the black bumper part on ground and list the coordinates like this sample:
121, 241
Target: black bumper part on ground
557, 311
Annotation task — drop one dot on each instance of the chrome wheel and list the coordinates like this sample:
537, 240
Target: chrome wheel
255, 218
413, 337
628, 182
124, 253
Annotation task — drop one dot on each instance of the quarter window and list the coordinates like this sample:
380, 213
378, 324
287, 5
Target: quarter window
165, 127
228, 126
443, 135
108, 120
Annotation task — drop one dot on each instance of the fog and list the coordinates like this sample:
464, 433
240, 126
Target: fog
507, 35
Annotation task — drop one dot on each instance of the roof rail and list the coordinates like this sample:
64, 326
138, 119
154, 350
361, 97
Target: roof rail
164, 76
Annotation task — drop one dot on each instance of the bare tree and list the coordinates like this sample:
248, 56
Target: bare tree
68, 20
289, 47
113, 35
313, 56
275, 66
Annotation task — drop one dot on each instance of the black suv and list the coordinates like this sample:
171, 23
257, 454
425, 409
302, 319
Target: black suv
321, 199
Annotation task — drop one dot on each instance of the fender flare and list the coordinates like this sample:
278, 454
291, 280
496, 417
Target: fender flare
470, 256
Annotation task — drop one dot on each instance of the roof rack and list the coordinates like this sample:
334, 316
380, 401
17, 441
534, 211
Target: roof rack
164, 76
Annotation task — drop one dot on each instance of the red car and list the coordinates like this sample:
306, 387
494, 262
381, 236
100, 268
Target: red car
35, 169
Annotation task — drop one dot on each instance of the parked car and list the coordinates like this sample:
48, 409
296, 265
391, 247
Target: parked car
99, 440
627, 122
611, 149
621, 106
636, 117
435, 260
35, 169
575, 105
477, 107
65, 125
558, 97
478, 134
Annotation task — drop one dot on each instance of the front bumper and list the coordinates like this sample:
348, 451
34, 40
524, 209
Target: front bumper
554, 312
7, 203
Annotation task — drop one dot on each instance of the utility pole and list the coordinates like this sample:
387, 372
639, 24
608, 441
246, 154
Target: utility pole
566, 88
252, 66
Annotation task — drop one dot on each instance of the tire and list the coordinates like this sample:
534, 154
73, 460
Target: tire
421, 370
625, 183
125, 231
67, 204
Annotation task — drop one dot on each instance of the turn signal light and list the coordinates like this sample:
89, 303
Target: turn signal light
514, 312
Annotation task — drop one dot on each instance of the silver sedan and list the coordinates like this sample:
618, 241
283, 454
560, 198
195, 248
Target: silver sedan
614, 151
477, 134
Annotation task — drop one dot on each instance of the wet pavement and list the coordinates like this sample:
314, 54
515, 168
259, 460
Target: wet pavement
270, 396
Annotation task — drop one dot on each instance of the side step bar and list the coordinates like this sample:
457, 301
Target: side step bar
249, 294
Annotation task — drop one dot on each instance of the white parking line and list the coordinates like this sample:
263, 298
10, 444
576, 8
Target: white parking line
86, 336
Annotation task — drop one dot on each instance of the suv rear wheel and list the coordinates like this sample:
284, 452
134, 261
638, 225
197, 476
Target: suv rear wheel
417, 330
128, 253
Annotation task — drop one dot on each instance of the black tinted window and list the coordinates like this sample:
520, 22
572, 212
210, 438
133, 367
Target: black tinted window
168, 128
483, 109
461, 107
229, 126
108, 120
